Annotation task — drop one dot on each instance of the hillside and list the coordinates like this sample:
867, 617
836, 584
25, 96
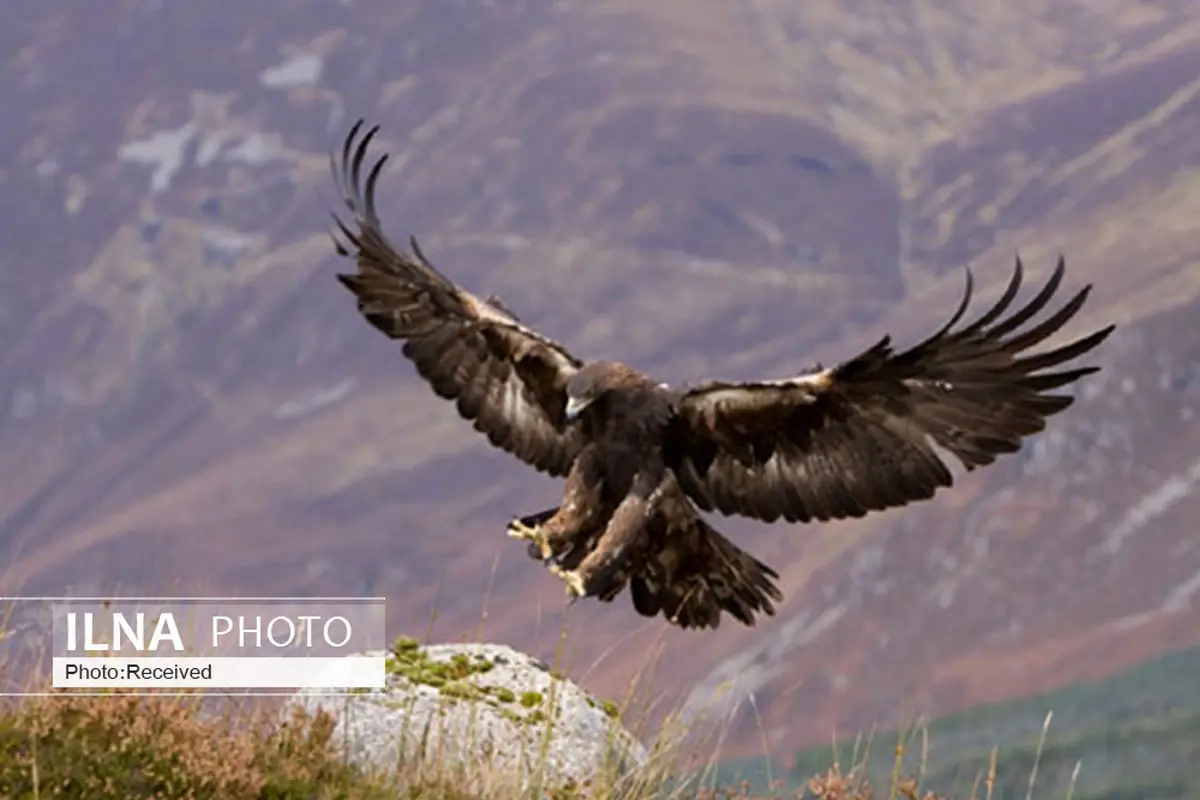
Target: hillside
1136, 734
700, 189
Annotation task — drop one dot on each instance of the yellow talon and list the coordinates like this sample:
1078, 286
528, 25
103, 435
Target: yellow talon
519, 530
571, 578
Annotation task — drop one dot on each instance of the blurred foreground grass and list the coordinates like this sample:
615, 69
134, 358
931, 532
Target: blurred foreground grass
127, 746
134, 747
1133, 736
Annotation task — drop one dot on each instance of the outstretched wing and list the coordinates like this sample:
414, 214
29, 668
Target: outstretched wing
859, 437
503, 376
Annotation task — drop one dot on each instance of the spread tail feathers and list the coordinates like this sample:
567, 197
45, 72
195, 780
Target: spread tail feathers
692, 573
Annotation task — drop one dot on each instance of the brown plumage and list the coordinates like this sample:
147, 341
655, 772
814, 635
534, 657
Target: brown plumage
641, 457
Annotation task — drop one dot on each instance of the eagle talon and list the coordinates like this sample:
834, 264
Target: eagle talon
519, 530
575, 585
538, 545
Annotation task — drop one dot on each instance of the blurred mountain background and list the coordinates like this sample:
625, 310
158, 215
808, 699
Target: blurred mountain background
701, 189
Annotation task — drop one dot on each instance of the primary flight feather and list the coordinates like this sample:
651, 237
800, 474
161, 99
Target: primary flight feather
640, 457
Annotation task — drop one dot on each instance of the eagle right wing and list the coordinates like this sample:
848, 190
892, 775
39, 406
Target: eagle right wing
860, 437
507, 379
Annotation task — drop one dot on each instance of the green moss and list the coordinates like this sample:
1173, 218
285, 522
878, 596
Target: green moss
461, 689
503, 694
457, 690
452, 678
610, 708
412, 662
405, 644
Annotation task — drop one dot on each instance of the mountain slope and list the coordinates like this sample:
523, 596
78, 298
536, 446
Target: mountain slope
733, 190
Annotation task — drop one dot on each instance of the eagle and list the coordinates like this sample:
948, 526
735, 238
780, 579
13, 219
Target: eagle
642, 459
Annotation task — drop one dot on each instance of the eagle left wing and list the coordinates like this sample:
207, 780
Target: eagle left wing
503, 376
859, 437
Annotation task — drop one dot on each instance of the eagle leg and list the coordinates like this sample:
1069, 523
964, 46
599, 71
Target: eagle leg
573, 580
534, 535
603, 570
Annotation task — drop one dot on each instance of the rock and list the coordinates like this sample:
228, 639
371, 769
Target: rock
480, 705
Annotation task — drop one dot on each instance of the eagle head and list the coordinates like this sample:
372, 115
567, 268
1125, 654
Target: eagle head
593, 382
582, 390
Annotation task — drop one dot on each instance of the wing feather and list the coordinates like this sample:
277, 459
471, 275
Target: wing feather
505, 378
860, 437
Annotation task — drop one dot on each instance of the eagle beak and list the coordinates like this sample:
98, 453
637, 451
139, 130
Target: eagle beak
575, 407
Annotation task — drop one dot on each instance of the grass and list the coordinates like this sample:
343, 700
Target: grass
139, 747
1138, 732
1132, 735
195, 746
129, 747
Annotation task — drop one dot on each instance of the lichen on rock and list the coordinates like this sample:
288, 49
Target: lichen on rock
484, 706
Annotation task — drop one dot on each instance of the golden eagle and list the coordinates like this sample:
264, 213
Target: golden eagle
640, 457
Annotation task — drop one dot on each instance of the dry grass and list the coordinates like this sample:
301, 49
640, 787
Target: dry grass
164, 747
195, 746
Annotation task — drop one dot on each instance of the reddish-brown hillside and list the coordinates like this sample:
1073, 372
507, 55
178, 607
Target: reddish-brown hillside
700, 189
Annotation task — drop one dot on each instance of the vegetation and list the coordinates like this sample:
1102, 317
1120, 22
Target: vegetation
1136, 736
1132, 736
123, 746
120, 745
129, 747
